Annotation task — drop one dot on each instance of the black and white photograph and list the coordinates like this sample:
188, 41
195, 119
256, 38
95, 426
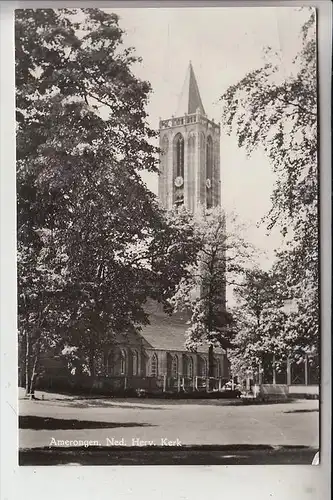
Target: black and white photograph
167, 197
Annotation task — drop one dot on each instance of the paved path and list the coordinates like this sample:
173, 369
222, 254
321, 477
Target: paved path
157, 422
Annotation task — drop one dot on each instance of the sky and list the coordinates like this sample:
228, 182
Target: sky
223, 44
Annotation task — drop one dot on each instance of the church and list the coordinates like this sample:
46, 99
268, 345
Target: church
189, 176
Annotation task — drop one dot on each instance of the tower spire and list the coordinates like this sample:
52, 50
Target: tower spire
189, 99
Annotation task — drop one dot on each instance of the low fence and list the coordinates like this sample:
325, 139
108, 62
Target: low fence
306, 390
276, 392
98, 384
114, 384
282, 392
178, 384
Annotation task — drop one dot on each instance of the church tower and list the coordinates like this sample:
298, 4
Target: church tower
190, 153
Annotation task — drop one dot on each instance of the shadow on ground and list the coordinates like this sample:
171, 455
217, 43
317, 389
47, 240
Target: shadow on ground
159, 404
156, 455
136, 403
110, 404
308, 410
39, 423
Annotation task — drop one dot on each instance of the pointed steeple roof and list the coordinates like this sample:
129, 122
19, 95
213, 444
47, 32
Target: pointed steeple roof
189, 99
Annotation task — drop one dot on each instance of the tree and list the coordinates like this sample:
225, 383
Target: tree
202, 293
147, 267
278, 112
256, 291
301, 330
88, 227
256, 294
266, 331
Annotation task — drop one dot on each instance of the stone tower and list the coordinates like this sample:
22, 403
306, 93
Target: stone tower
190, 153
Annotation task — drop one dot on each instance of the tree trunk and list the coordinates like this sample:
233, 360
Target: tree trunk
105, 364
21, 358
210, 363
34, 374
27, 363
92, 358
30, 378
33, 377
210, 348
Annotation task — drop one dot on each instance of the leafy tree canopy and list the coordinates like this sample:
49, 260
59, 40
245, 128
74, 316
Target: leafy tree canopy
266, 325
278, 112
221, 259
92, 242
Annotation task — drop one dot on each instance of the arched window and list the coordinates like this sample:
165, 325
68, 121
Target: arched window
178, 169
135, 363
174, 366
116, 362
202, 367
154, 366
217, 368
188, 366
109, 363
209, 168
122, 362
144, 364
202, 168
179, 155
191, 170
209, 172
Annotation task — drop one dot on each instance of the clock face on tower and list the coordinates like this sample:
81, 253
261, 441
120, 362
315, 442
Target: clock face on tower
179, 181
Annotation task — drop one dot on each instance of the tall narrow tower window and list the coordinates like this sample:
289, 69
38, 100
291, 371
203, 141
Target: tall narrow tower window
209, 172
178, 170
179, 143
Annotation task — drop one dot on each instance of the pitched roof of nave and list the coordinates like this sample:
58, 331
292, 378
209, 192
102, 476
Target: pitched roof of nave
167, 332
190, 99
